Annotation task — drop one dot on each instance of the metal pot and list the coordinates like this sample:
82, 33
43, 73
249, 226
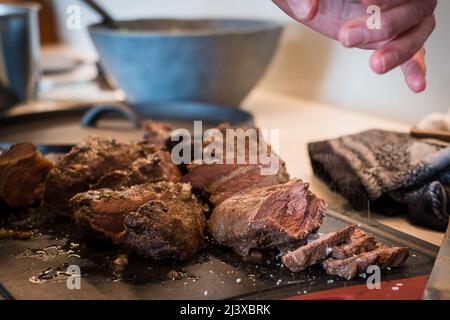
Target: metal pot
19, 53
159, 61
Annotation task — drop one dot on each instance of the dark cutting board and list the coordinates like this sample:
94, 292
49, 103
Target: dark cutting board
215, 273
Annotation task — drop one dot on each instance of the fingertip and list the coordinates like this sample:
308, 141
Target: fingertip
343, 37
377, 63
417, 85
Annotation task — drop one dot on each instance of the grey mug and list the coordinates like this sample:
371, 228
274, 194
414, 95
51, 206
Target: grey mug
19, 53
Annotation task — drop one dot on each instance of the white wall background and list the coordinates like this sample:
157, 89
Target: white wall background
307, 65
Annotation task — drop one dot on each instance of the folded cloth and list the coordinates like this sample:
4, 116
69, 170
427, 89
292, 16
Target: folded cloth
393, 171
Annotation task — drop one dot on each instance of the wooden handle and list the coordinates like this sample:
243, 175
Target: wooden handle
433, 134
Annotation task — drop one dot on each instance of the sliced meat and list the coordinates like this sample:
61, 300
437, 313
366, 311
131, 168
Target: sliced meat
316, 251
359, 242
268, 217
85, 165
23, 171
351, 267
170, 228
222, 181
103, 212
154, 168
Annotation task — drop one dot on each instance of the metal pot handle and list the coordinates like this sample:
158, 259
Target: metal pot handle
91, 117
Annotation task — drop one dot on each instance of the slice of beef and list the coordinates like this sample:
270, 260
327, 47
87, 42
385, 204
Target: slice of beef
316, 251
222, 181
102, 212
359, 242
85, 165
268, 217
156, 167
170, 228
23, 171
351, 267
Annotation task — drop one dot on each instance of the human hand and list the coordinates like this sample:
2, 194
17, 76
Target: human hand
405, 27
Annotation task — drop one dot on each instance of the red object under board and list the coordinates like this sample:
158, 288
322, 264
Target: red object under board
401, 289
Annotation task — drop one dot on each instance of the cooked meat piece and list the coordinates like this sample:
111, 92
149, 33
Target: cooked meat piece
85, 165
102, 212
157, 133
222, 181
316, 251
154, 168
268, 217
382, 256
161, 220
22, 174
359, 242
170, 228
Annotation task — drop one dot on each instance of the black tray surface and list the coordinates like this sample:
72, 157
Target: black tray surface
35, 269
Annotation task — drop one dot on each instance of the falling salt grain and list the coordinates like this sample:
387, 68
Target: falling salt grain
388, 268
279, 282
238, 280
399, 284
205, 293
395, 288
330, 281
363, 275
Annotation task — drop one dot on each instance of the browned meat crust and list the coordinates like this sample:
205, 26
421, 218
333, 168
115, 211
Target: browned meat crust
382, 256
267, 217
154, 168
85, 165
172, 227
23, 171
316, 251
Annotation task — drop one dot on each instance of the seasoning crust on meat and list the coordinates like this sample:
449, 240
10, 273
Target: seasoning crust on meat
86, 165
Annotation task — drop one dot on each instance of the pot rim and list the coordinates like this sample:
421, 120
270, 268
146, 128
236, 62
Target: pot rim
265, 25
